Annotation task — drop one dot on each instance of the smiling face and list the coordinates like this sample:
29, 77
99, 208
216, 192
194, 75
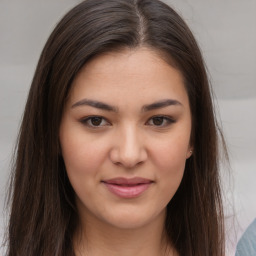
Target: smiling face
125, 136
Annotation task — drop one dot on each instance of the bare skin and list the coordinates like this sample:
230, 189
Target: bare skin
148, 240
127, 118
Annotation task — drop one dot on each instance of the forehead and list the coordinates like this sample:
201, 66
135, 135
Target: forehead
138, 74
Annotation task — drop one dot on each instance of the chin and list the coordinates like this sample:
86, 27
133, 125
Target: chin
134, 220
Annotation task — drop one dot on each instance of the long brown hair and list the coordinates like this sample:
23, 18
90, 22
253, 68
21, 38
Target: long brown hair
43, 212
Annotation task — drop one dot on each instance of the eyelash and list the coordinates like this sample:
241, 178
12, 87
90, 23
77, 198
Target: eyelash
166, 119
89, 119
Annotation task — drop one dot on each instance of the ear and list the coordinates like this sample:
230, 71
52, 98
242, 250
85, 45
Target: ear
189, 152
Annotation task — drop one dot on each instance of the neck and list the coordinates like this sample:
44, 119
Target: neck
96, 238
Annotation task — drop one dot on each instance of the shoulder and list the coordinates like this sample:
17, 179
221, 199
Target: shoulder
247, 243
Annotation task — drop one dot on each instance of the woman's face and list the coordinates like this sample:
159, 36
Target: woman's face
125, 137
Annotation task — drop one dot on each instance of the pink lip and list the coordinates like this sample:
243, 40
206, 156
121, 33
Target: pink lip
128, 188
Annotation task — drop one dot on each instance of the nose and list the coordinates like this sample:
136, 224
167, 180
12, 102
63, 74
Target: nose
129, 148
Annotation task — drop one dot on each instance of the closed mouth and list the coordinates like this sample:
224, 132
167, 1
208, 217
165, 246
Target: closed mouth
127, 188
128, 181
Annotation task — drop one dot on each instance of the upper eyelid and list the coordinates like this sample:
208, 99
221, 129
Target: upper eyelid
163, 116
168, 118
85, 119
92, 116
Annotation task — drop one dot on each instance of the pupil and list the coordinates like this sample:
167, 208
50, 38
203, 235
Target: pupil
96, 121
158, 120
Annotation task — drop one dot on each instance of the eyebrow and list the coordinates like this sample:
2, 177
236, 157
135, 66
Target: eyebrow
145, 108
95, 104
161, 104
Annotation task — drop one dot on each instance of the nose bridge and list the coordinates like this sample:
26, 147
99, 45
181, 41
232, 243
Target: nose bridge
130, 147
131, 141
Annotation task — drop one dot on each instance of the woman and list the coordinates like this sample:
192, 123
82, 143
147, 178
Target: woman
117, 152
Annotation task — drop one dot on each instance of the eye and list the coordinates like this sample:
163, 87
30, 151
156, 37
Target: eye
160, 121
95, 121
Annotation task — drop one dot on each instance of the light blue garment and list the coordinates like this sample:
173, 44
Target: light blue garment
247, 243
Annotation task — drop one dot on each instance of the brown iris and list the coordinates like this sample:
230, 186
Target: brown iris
96, 121
158, 120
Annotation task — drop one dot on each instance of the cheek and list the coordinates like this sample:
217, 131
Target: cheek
169, 159
171, 154
82, 155
83, 160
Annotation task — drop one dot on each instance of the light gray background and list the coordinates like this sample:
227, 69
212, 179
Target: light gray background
226, 32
